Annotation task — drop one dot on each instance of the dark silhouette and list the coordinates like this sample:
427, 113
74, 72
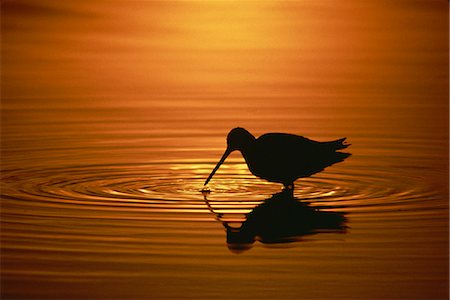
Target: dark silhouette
279, 219
281, 157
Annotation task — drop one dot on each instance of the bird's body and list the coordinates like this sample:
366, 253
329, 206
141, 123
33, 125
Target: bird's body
281, 157
284, 158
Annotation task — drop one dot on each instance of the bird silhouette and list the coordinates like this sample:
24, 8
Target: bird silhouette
281, 157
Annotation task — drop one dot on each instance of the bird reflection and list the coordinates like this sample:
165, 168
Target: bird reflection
279, 219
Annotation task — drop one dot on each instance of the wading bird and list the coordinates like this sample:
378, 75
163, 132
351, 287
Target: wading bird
281, 157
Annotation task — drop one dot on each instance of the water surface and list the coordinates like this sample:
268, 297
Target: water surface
105, 148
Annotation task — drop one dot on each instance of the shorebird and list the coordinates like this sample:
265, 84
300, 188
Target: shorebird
282, 157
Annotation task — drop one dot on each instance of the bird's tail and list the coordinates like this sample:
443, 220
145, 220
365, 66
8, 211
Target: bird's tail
340, 144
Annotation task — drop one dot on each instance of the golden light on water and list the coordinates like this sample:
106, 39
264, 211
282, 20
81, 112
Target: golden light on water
150, 49
114, 113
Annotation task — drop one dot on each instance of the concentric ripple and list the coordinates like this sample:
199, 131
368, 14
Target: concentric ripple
171, 187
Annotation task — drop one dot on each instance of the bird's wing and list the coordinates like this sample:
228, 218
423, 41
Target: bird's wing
283, 143
296, 153
297, 143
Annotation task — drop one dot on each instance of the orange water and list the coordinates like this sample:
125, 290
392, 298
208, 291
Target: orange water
114, 113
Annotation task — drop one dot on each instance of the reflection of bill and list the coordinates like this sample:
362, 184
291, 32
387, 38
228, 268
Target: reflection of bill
279, 219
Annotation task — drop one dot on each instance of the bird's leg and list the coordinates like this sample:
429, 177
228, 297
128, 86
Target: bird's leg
289, 188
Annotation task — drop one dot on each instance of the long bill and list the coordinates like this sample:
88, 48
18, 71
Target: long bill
224, 156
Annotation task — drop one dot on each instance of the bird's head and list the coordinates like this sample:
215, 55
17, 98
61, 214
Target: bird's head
237, 139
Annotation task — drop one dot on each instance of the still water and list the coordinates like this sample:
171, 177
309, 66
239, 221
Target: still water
101, 176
